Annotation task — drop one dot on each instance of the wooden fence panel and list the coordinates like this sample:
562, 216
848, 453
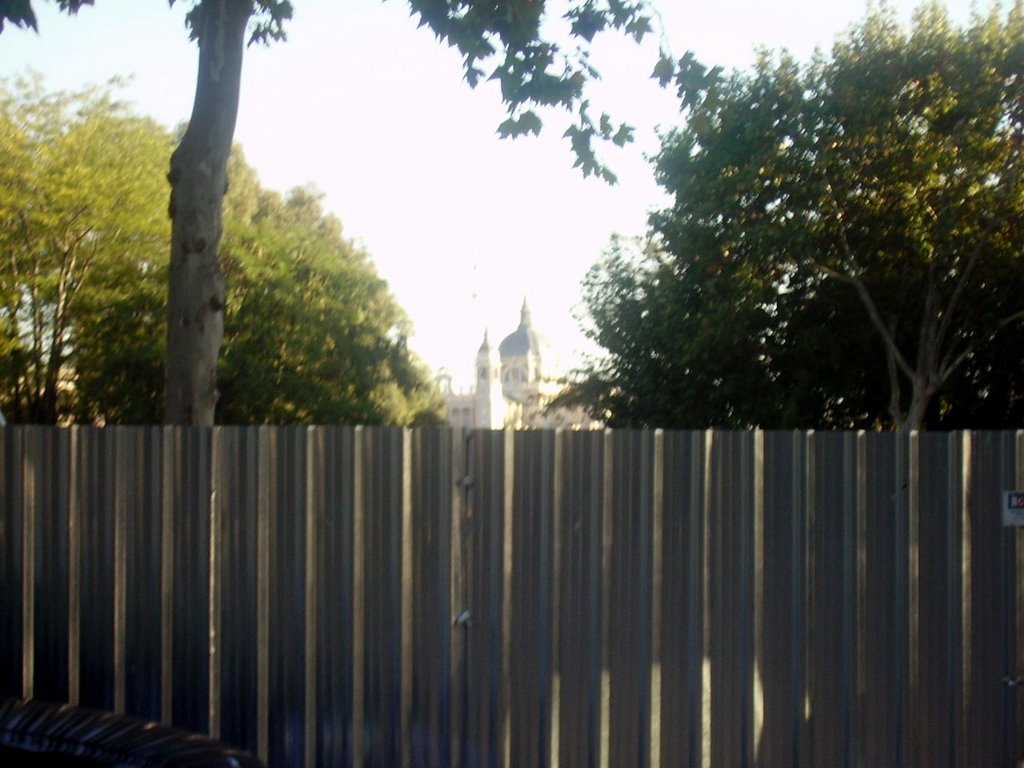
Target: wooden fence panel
138, 508
991, 650
783, 632
335, 489
434, 477
237, 473
730, 610
11, 560
580, 544
382, 481
628, 560
96, 670
47, 468
287, 590
388, 597
882, 601
532, 592
682, 644
936, 559
831, 520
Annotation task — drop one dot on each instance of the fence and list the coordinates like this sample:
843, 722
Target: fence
384, 597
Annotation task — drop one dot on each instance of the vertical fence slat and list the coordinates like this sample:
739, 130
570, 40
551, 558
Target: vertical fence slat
988, 735
832, 608
530, 647
882, 631
657, 486
264, 543
462, 461
682, 648
167, 511
333, 471
433, 484
783, 629
731, 592
1017, 694
554, 690
215, 592
882, 589
578, 649
238, 471
75, 575
311, 615
142, 588
287, 552
628, 602
97, 574
50, 543
406, 600
124, 481
359, 577
382, 640
484, 564
31, 469
608, 457
10, 560
935, 509
191, 586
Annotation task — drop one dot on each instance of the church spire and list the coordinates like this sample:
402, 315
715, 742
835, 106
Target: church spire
525, 320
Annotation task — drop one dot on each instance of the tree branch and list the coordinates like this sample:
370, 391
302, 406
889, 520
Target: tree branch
862, 290
961, 283
949, 366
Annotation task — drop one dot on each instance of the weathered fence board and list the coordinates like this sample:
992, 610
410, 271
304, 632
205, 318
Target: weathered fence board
386, 597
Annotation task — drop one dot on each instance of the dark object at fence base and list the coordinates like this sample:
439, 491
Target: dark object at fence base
35, 733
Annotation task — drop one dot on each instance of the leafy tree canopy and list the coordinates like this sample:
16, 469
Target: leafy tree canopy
844, 247
313, 334
503, 41
83, 234
511, 43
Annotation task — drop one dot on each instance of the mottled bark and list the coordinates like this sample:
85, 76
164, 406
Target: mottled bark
198, 177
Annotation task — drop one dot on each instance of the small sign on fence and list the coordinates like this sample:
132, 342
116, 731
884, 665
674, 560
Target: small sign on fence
1013, 508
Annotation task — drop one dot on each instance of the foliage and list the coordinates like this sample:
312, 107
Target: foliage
82, 238
844, 245
313, 333
511, 43
532, 71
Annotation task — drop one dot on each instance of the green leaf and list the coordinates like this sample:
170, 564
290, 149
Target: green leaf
664, 71
528, 122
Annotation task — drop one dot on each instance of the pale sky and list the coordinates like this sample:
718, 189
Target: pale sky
373, 111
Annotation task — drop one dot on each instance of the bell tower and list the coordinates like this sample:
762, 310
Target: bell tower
490, 402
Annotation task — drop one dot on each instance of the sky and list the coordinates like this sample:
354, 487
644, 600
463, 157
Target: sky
374, 113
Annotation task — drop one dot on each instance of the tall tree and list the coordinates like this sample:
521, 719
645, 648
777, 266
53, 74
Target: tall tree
532, 70
313, 333
315, 336
78, 217
854, 225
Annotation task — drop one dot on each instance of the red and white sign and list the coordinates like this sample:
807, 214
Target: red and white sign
1013, 508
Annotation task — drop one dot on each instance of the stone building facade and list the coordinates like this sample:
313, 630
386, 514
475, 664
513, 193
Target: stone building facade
514, 384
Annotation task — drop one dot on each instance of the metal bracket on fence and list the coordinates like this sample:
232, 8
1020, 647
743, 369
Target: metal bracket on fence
1013, 682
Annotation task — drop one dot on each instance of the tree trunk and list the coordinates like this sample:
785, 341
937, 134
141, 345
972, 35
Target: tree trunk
198, 176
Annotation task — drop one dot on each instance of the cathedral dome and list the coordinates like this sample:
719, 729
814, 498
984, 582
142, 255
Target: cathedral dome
525, 339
